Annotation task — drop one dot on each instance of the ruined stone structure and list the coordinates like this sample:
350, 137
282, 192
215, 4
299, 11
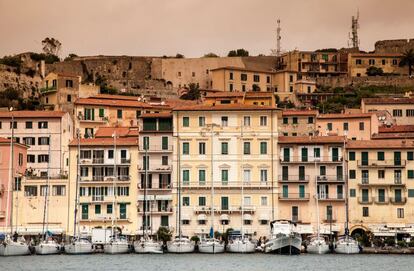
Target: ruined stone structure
394, 46
10, 79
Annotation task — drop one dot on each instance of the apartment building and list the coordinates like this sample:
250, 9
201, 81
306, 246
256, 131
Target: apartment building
297, 122
358, 63
47, 133
355, 126
108, 181
231, 148
381, 188
401, 109
310, 166
18, 167
250, 98
155, 171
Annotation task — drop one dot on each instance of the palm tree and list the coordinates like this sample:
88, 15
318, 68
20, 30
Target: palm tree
408, 60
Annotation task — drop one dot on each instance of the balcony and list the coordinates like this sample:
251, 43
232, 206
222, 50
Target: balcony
48, 89
155, 169
225, 209
365, 200
330, 179
294, 196
125, 161
156, 211
52, 176
100, 160
381, 163
338, 197
398, 200
101, 218
163, 187
381, 200
396, 181
310, 160
226, 185
105, 179
156, 148
294, 178
89, 119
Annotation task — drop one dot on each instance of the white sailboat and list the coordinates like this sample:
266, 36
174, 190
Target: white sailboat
211, 245
242, 243
117, 244
318, 244
16, 246
284, 238
146, 244
181, 244
78, 245
47, 245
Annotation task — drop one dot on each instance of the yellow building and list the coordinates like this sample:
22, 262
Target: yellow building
297, 122
401, 109
250, 98
226, 146
311, 166
358, 63
381, 188
100, 185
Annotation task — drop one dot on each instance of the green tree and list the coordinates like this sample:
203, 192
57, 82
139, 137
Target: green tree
408, 60
12, 61
70, 57
193, 92
164, 234
374, 71
238, 52
179, 55
51, 46
210, 55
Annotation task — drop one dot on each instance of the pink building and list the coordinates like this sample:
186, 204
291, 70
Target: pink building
19, 165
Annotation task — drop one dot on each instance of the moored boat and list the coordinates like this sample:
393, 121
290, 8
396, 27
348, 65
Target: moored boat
347, 245
211, 246
14, 248
241, 245
79, 246
180, 245
317, 245
284, 239
117, 245
148, 246
47, 247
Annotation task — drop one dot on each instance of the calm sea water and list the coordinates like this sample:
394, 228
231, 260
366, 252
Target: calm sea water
200, 262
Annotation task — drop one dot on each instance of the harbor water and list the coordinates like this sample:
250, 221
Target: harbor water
201, 262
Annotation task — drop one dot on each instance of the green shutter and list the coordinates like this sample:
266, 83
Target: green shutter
186, 176
263, 147
224, 203
410, 155
304, 154
351, 156
224, 176
186, 121
411, 193
380, 156
186, 148
317, 152
202, 176
285, 191
97, 209
101, 112
352, 174
352, 193
410, 174
165, 143
122, 211
85, 211
301, 191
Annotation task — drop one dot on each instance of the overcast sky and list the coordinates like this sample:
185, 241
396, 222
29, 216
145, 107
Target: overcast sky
196, 27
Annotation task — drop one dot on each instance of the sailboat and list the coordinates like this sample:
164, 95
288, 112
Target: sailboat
211, 245
78, 245
181, 244
16, 246
47, 246
346, 244
284, 238
241, 243
317, 244
117, 244
146, 244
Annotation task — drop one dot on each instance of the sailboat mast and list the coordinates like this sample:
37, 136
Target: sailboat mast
242, 180
212, 181
77, 186
346, 189
144, 219
114, 207
45, 207
11, 175
179, 185
316, 196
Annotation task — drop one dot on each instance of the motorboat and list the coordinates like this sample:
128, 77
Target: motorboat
347, 245
148, 246
284, 238
117, 245
240, 244
317, 245
79, 246
180, 245
10, 247
211, 246
47, 247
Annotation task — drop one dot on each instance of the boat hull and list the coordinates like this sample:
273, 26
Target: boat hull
241, 247
148, 247
79, 248
211, 248
47, 249
116, 248
180, 247
14, 249
289, 245
347, 248
318, 248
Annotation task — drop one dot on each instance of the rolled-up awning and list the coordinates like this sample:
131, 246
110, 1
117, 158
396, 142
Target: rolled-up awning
264, 216
185, 217
224, 217
384, 233
38, 230
396, 225
201, 217
247, 217
304, 229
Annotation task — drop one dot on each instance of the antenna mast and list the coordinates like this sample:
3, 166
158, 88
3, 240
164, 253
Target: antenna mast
354, 40
278, 38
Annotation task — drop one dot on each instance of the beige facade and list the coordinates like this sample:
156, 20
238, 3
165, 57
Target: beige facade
381, 190
389, 63
249, 98
400, 109
229, 146
297, 122
311, 166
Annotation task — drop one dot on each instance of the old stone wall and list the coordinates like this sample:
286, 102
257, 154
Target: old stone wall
394, 46
400, 81
28, 85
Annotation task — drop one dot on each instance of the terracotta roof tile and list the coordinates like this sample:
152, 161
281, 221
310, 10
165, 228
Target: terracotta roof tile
105, 141
382, 101
157, 115
381, 144
310, 139
223, 107
345, 116
396, 129
224, 94
32, 114
117, 97
120, 131
299, 112
112, 102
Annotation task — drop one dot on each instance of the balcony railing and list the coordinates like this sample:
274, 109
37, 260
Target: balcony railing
156, 187
365, 200
157, 168
398, 200
98, 198
168, 209
330, 179
381, 200
52, 176
156, 148
226, 209
294, 178
331, 197
125, 161
226, 185
381, 163
293, 196
98, 160
47, 89
311, 159
83, 118
382, 182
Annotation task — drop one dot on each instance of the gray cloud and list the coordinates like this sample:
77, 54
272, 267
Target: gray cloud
195, 27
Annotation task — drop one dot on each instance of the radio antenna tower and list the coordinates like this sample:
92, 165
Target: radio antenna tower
353, 37
278, 38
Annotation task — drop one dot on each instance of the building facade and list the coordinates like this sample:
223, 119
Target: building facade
389, 63
297, 122
400, 109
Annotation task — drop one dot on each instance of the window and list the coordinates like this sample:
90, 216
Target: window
400, 212
358, 61
102, 112
69, 98
285, 121
164, 160
352, 193
43, 158
201, 121
164, 143
186, 122
1, 125
291, 78
224, 176
29, 125
365, 211
29, 141
243, 77
186, 201
322, 170
381, 174
246, 121
263, 121
246, 175
263, 201
224, 121
351, 156
361, 126
409, 113
109, 209
224, 148
123, 191
122, 211
59, 190
295, 120
329, 126
410, 155
202, 148
186, 176
346, 126
329, 213
295, 213
13, 125
291, 89
186, 148
243, 88
310, 119
411, 193
119, 113
397, 113
42, 124
371, 61
410, 174
246, 147
69, 83
30, 190
224, 203
31, 158
88, 133
263, 175
202, 201
84, 171
202, 176
43, 141
231, 76
256, 78
394, 62
268, 79
352, 174
263, 147
145, 143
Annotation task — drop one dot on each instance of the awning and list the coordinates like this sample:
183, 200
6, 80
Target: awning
396, 225
148, 197
201, 231
326, 228
201, 217
38, 230
383, 233
185, 217
264, 217
247, 217
224, 217
163, 197
304, 229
